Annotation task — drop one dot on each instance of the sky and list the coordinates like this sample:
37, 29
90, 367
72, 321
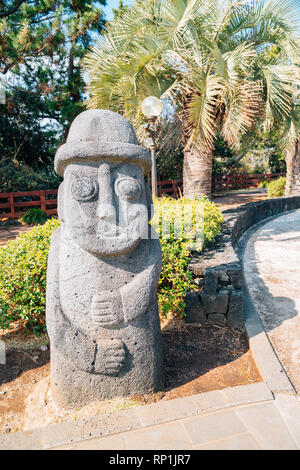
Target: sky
113, 4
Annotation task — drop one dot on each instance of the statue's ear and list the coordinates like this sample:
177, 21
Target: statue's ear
60, 202
149, 200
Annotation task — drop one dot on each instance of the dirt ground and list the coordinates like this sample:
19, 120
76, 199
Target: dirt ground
233, 199
197, 360
10, 232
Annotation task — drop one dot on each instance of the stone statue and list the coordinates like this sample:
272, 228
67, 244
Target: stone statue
103, 267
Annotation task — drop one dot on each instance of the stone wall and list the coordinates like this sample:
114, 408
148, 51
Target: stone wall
219, 297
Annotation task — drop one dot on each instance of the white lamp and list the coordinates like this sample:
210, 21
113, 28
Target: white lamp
151, 107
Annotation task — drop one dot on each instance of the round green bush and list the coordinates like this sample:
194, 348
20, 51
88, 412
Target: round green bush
34, 216
277, 187
23, 264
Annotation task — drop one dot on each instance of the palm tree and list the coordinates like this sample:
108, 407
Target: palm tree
291, 145
205, 57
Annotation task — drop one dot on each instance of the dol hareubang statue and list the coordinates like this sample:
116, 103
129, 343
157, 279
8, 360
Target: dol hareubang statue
103, 267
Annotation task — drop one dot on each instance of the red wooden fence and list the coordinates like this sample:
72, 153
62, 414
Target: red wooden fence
13, 205
241, 181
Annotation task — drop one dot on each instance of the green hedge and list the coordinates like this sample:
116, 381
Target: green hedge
176, 279
23, 265
277, 187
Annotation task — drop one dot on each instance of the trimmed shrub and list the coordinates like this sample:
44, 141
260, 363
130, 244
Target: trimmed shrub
23, 264
277, 187
34, 216
178, 234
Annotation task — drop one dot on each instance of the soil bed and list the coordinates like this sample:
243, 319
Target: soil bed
196, 360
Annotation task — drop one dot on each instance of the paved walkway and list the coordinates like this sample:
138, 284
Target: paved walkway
11, 232
246, 417
272, 273
232, 199
272, 425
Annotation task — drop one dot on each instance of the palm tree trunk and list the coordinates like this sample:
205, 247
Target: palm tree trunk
197, 171
292, 187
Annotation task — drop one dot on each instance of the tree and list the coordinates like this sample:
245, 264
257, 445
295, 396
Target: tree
291, 144
41, 46
39, 28
206, 57
120, 10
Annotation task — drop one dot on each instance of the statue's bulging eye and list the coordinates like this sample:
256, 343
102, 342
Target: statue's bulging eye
128, 188
84, 189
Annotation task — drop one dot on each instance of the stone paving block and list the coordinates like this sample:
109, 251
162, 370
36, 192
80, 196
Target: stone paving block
213, 427
103, 443
67, 433
265, 423
28, 440
238, 442
179, 408
248, 393
163, 436
93, 427
289, 409
269, 366
210, 401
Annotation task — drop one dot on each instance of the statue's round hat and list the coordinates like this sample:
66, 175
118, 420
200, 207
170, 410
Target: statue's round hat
100, 134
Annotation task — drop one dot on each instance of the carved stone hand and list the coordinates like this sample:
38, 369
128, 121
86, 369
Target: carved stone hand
110, 357
106, 309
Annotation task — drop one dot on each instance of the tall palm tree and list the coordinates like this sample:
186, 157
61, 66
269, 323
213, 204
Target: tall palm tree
206, 58
291, 145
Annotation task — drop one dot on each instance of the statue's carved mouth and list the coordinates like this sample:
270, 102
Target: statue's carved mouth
109, 231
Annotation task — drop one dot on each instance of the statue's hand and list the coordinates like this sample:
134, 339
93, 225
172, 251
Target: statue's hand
110, 357
106, 308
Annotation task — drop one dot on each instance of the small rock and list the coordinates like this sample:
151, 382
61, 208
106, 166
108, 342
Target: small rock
44, 348
236, 307
194, 309
35, 358
196, 268
223, 277
6, 428
236, 278
215, 303
211, 280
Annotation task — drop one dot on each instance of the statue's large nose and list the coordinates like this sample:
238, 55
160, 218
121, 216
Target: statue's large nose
106, 208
